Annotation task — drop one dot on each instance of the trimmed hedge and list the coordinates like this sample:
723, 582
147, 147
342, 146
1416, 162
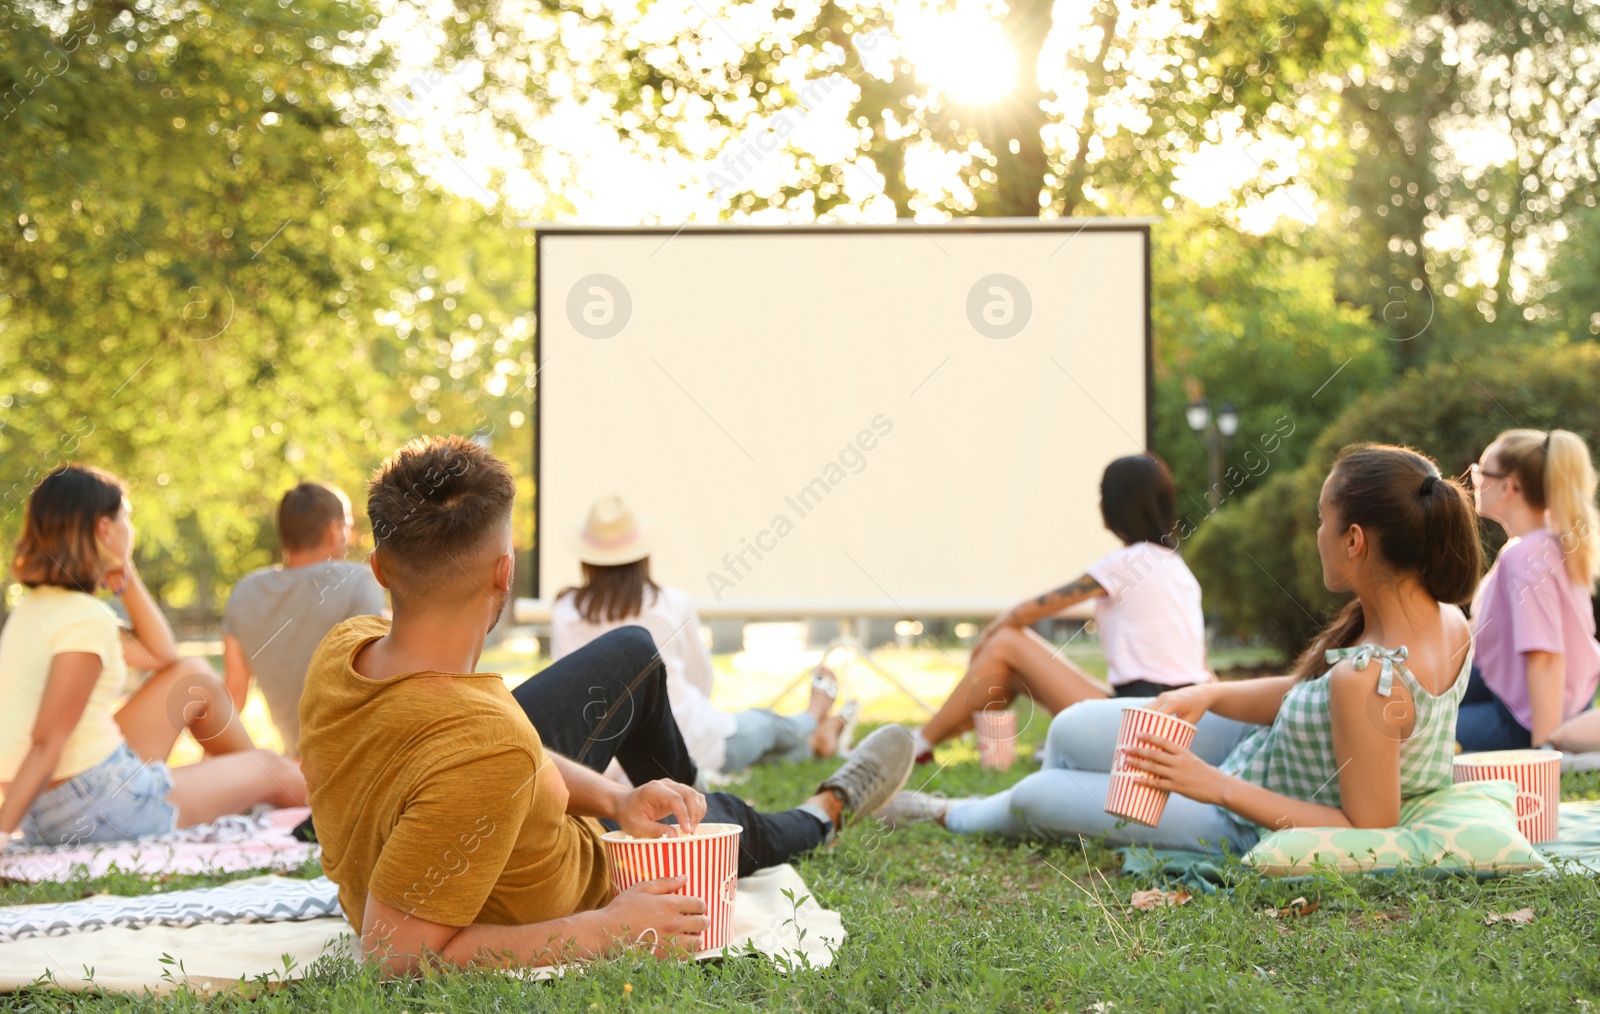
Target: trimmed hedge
1257, 561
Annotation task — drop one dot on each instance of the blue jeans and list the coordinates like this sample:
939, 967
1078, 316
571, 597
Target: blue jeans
119, 799
1067, 797
1485, 723
762, 736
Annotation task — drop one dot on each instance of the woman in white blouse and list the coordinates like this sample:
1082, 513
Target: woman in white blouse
613, 547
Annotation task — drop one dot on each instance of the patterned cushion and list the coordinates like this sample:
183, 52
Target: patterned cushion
1466, 827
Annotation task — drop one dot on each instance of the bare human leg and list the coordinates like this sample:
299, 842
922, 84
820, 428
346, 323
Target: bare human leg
825, 737
184, 695
1012, 662
233, 783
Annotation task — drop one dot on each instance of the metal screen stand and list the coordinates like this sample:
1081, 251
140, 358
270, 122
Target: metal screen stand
846, 640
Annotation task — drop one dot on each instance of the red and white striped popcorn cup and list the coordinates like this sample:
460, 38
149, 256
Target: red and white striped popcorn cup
1128, 795
997, 738
709, 858
1538, 777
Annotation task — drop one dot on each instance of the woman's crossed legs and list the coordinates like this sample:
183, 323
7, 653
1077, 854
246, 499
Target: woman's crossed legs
1067, 798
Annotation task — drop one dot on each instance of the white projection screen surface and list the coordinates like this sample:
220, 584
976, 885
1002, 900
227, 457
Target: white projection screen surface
841, 420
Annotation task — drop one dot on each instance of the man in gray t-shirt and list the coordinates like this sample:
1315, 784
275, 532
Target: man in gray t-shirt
277, 615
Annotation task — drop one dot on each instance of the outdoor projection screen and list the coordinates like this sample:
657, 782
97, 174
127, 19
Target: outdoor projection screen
841, 419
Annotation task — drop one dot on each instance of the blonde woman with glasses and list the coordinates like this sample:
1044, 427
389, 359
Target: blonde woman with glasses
1538, 663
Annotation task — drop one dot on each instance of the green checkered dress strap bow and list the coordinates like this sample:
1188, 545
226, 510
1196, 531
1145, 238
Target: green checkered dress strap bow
1362, 655
1294, 756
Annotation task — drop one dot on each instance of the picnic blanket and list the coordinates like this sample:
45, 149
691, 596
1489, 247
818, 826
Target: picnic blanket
1579, 762
1201, 872
1579, 840
1579, 843
217, 957
259, 899
229, 845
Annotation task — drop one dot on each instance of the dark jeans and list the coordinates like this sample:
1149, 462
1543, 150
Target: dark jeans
1140, 688
1485, 723
609, 700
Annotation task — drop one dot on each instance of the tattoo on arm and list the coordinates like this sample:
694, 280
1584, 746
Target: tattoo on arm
1067, 594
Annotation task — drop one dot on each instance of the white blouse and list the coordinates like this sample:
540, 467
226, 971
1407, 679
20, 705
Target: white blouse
674, 625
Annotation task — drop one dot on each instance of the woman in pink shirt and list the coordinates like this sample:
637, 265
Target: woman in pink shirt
1537, 663
1147, 609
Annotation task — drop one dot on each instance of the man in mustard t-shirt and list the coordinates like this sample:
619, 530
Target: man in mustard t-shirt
461, 821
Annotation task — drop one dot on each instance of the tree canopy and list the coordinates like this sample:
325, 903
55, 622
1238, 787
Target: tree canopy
228, 260
221, 273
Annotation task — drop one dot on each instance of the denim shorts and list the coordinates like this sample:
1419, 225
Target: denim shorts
119, 799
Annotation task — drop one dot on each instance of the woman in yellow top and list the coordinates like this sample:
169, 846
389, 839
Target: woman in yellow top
77, 767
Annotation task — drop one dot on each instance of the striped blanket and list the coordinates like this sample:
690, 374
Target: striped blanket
259, 899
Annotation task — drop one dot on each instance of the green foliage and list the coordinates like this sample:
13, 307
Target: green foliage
1252, 320
1521, 73
1572, 287
1158, 83
221, 269
1246, 558
1449, 411
219, 273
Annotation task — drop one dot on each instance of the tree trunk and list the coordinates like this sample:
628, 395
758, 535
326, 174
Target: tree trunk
1094, 69
1019, 120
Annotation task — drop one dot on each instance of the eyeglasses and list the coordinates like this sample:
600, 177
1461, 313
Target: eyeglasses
1479, 473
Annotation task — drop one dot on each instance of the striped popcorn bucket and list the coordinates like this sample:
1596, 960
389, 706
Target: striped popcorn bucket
1537, 774
997, 738
709, 858
1128, 796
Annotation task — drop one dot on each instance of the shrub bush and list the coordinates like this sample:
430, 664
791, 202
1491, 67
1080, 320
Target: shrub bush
1257, 560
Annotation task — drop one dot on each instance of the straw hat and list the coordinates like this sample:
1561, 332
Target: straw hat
612, 535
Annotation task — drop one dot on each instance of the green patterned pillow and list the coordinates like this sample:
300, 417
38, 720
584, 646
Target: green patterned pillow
1466, 827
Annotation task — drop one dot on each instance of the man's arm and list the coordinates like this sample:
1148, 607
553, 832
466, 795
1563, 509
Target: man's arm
236, 671
400, 943
637, 811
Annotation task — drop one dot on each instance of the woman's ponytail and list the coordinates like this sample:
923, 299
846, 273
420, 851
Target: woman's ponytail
1556, 475
1569, 488
1417, 522
1452, 559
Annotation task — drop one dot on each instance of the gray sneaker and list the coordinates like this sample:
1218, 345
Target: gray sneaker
908, 808
878, 768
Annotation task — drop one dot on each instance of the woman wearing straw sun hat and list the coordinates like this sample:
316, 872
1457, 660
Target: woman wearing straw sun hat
614, 548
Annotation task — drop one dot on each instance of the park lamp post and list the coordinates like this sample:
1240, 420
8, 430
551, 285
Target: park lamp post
1218, 434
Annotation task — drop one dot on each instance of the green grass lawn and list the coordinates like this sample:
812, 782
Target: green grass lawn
938, 922
942, 923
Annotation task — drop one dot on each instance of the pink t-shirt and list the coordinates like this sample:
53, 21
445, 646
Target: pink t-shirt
1149, 618
1528, 603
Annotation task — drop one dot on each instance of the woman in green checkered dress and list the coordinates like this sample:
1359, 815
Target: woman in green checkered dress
1366, 720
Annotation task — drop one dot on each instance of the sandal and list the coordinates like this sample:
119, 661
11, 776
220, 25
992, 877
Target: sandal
824, 682
849, 717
